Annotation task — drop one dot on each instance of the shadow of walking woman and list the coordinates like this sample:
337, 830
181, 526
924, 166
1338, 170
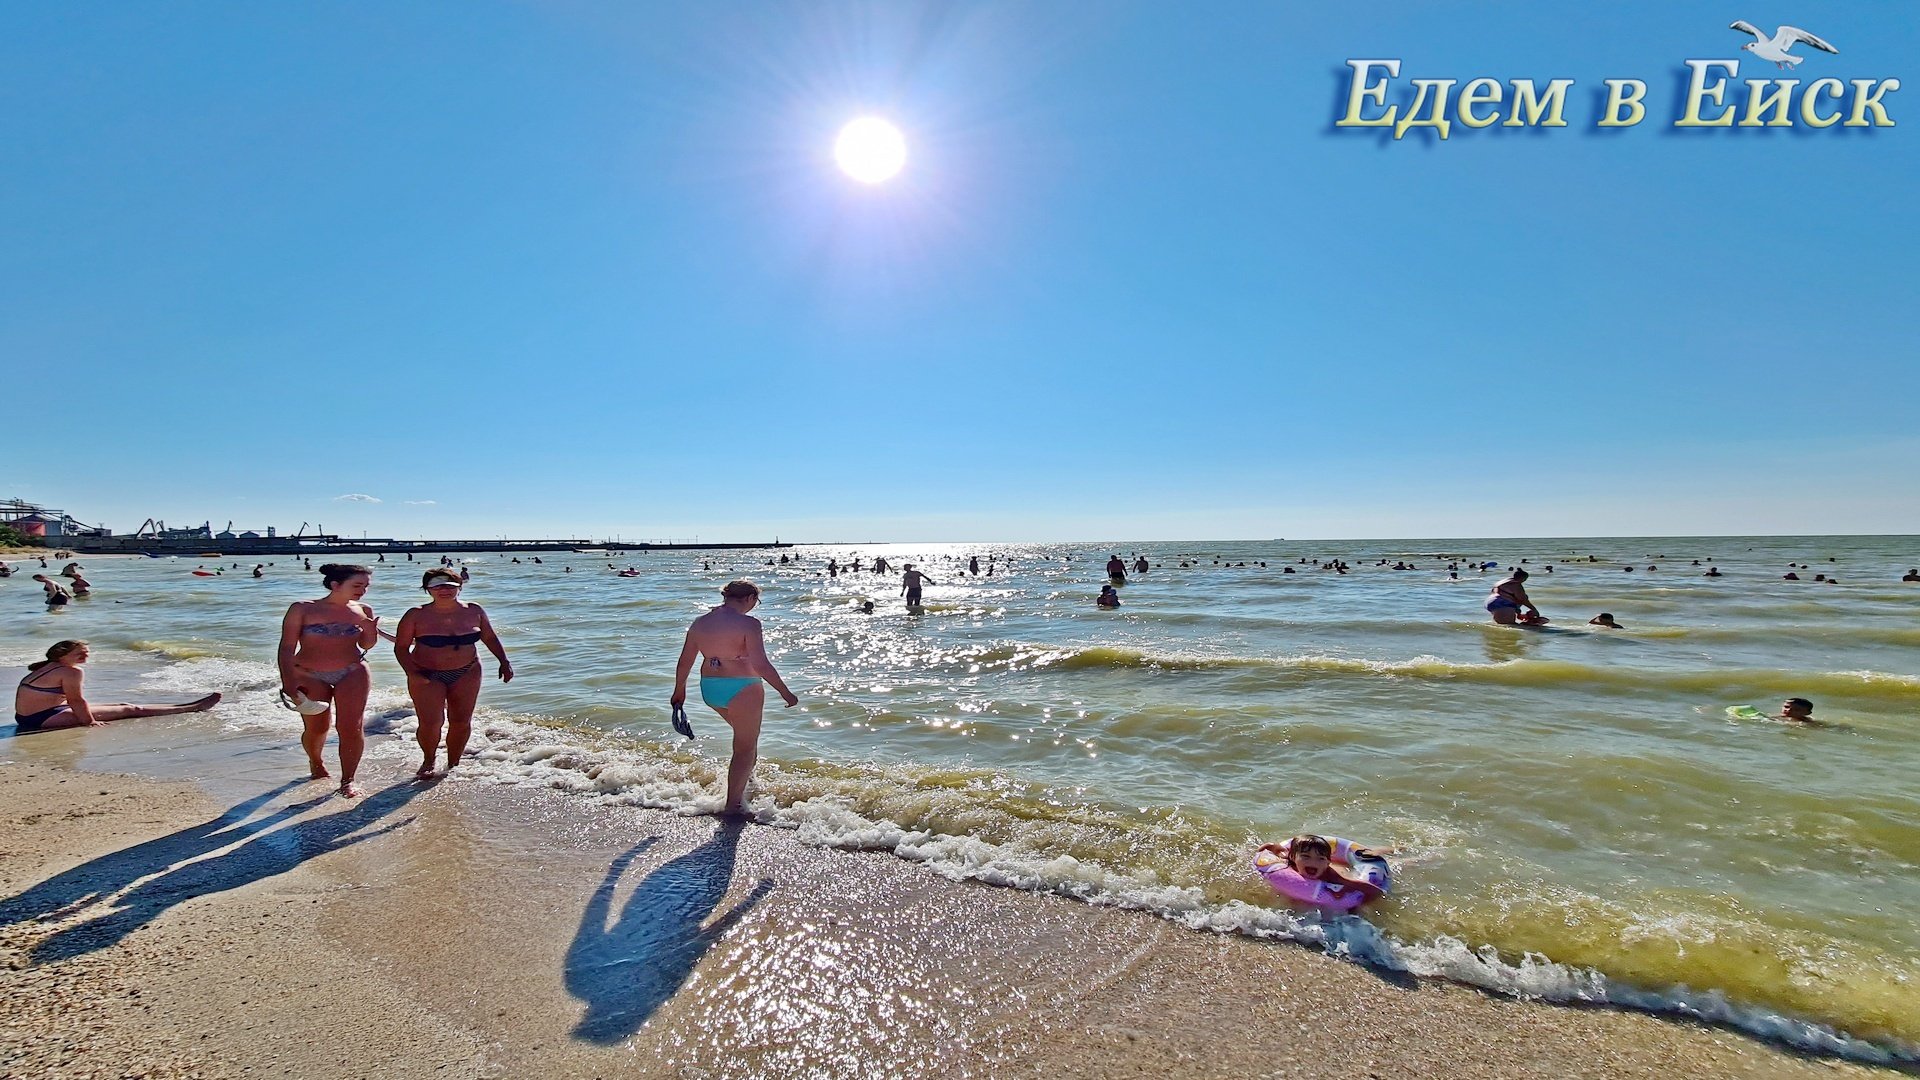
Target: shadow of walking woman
95, 880
265, 854
625, 971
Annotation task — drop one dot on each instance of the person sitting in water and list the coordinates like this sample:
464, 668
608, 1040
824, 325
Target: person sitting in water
1311, 857
1605, 619
1509, 601
1713, 571
52, 697
1109, 597
1912, 575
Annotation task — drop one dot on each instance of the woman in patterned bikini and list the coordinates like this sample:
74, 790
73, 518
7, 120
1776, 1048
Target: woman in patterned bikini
435, 645
50, 697
323, 648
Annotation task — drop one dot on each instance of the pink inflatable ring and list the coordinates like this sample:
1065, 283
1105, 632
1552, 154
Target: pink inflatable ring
1324, 894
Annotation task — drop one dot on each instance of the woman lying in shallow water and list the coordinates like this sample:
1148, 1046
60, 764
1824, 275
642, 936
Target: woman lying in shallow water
52, 696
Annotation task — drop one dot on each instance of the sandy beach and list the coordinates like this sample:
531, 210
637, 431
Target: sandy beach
253, 925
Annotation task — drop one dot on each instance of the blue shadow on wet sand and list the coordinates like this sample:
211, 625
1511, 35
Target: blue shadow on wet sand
182, 873
625, 967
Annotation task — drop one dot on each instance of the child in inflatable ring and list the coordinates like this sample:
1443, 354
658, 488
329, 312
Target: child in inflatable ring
1311, 857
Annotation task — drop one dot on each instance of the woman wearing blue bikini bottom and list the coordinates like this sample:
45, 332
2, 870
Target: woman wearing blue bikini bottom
733, 662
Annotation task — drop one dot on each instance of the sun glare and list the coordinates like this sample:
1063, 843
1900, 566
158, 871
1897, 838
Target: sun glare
870, 150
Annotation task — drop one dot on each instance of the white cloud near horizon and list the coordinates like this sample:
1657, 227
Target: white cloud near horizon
422, 502
355, 498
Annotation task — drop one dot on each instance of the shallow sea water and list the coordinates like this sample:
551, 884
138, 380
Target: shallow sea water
1579, 816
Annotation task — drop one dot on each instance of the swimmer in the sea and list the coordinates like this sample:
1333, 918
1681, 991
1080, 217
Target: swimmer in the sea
1912, 575
52, 697
733, 663
322, 655
1109, 597
434, 645
1605, 619
1798, 710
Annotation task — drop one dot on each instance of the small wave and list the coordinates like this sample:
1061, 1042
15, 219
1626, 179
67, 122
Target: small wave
1901, 636
1293, 670
181, 650
204, 672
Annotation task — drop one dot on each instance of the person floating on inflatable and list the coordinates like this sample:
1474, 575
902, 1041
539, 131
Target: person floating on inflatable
1327, 872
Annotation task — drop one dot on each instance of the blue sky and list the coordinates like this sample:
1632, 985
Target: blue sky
589, 269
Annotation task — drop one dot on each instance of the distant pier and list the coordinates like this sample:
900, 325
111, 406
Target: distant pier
314, 546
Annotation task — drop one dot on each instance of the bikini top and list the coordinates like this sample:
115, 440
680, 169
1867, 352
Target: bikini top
25, 685
447, 641
332, 629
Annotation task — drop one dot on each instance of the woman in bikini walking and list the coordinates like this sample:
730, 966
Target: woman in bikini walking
51, 696
435, 645
730, 676
323, 648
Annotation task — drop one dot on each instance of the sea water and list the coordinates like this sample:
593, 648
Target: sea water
1580, 817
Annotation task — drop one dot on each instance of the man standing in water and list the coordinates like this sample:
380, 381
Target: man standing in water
910, 582
730, 679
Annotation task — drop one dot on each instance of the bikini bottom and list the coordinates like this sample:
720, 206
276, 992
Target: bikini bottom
447, 676
719, 690
36, 721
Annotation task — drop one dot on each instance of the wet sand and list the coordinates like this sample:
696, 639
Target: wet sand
254, 925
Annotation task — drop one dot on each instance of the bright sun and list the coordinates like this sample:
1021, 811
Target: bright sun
870, 150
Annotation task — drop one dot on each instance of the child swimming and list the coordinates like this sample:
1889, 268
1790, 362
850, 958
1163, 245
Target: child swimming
1311, 856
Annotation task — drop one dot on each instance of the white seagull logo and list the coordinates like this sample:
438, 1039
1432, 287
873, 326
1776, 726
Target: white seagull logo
1775, 48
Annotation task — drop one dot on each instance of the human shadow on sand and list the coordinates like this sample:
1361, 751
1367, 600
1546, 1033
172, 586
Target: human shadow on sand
265, 855
625, 971
91, 881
